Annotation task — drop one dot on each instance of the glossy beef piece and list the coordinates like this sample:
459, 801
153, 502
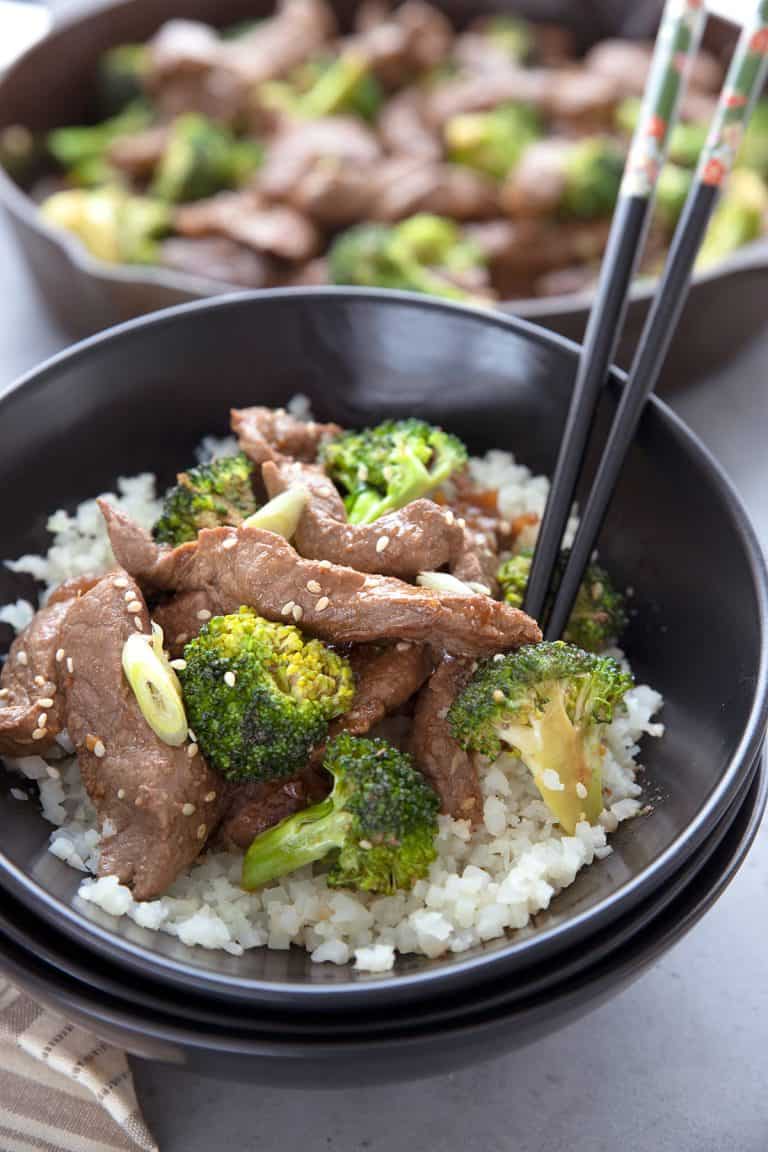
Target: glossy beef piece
254, 806
161, 802
530, 246
581, 99
337, 604
138, 154
264, 432
273, 47
294, 152
571, 94
538, 182
386, 678
450, 770
217, 258
181, 617
402, 44
403, 129
628, 64
31, 700
244, 218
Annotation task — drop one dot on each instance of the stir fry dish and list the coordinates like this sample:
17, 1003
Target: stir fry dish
303, 678
474, 164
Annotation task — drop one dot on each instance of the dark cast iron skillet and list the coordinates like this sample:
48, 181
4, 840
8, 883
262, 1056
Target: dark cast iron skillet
332, 1062
53, 84
142, 396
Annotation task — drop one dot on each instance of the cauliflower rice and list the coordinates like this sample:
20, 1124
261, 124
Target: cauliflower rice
483, 882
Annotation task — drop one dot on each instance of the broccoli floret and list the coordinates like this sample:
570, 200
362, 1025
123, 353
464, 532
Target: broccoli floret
686, 139
202, 158
672, 190
754, 147
549, 703
378, 825
82, 150
494, 141
382, 469
113, 225
593, 172
121, 76
737, 219
326, 86
259, 695
416, 255
598, 617
512, 35
213, 494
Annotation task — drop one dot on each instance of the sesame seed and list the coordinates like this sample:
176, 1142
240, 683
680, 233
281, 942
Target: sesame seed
204, 614
39, 733
449, 516
322, 604
298, 612
499, 657
121, 582
382, 543
99, 750
403, 646
42, 720
230, 542
53, 772
182, 638
366, 844
179, 665
134, 606
498, 695
137, 624
22, 657
70, 665
209, 797
324, 564
201, 831
191, 735
40, 681
313, 586
192, 751
59, 655
229, 679
287, 608
130, 595
45, 702
581, 791
121, 793
188, 809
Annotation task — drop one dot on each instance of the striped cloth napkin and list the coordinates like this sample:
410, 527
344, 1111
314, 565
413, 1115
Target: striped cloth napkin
61, 1089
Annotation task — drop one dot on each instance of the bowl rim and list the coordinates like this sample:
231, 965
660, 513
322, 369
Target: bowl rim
456, 969
20, 205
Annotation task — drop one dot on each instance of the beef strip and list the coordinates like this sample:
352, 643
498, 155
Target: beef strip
254, 806
30, 680
628, 63
403, 129
405, 185
141, 785
181, 617
571, 94
262, 432
413, 39
217, 258
246, 219
386, 678
293, 153
273, 47
451, 771
538, 182
335, 603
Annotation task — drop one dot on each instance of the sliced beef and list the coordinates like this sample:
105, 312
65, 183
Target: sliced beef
628, 62
475, 93
451, 771
138, 154
386, 678
405, 185
217, 258
181, 617
294, 152
31, 701
255, 805
538, 182
264, 431
246, 219
413, 39
335, 603
403, 128
161, 802
273, 47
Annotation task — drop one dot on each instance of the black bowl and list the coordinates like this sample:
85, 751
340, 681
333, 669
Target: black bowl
147, 392
99, 978
486, 1030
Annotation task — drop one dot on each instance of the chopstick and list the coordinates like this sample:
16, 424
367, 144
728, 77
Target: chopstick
677, 43
743, 83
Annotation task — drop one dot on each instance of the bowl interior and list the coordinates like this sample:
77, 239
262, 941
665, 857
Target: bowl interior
143, 397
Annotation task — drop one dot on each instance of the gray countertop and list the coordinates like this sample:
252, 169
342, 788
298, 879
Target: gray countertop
675, 1064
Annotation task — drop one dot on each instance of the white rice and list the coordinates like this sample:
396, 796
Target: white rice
483, 883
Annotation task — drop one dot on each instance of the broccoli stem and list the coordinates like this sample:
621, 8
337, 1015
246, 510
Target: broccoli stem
293, 843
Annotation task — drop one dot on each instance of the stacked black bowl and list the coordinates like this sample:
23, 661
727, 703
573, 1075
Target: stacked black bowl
140, 398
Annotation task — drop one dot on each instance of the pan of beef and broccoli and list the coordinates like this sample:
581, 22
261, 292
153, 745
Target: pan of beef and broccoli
272, 694
470, 154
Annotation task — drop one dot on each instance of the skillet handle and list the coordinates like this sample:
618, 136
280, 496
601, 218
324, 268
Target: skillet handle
22, 23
